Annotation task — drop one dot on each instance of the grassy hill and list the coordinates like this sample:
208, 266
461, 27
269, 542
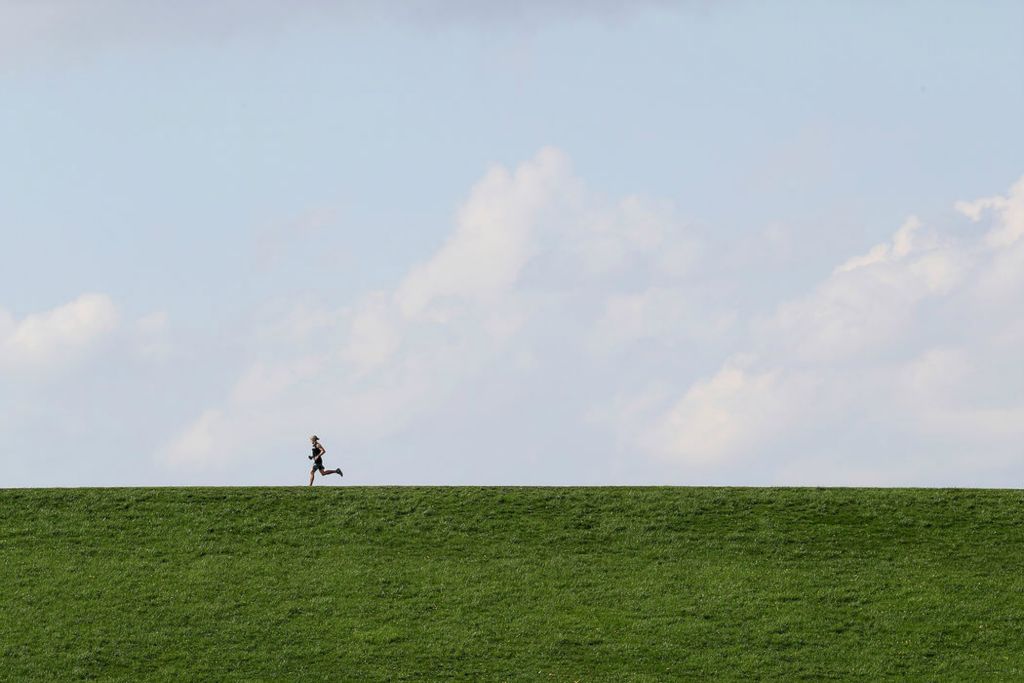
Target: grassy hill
558, 584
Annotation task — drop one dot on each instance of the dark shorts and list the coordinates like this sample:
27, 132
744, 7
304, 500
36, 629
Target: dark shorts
318, 464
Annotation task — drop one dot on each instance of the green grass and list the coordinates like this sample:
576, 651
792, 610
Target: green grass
559, 584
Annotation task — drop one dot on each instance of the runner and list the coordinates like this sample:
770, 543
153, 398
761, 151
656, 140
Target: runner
318, 460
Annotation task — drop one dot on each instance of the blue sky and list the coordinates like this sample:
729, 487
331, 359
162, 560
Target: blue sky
667, 243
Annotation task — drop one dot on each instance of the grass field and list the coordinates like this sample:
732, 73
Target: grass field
563, 584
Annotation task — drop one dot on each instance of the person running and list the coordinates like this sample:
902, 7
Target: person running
318, 460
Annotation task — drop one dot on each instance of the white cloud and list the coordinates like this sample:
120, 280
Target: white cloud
901, 245
636, 227
79, 370
494, 237
56, 337
1009, 211
503, 292
734, 411
1002, 279
549, 299
870, 301
907, 344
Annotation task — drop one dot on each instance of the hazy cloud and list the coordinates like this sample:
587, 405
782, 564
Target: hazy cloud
493, 239
909, 343
516, 273
54, 338
906, 343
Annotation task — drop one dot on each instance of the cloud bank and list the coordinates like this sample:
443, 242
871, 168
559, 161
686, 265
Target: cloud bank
901, 367
913, 345
530, 246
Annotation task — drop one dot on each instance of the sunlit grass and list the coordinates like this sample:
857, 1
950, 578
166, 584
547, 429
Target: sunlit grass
511, 584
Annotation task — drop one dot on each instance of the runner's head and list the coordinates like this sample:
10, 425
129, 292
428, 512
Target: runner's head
314, 438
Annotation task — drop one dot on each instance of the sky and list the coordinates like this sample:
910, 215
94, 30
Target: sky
537, 243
